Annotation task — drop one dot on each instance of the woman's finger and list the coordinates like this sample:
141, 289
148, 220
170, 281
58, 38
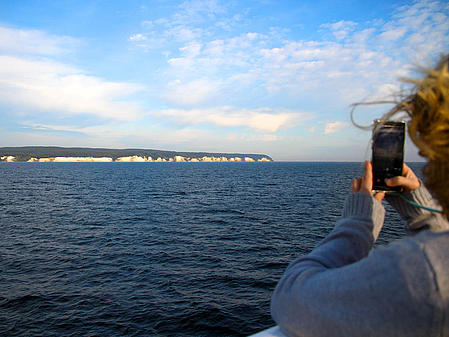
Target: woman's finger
355, 186
408, 180
379, 196
367, 181
397, 181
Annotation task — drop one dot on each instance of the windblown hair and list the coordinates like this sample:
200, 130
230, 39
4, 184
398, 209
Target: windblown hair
427, 107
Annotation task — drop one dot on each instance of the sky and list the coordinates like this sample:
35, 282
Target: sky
262, 76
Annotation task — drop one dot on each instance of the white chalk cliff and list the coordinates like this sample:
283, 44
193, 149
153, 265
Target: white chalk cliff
134, 159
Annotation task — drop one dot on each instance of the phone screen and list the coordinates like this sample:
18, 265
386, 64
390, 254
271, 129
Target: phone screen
388, 153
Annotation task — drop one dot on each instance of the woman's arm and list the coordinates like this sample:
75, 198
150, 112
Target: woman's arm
343, 289
413, 190
389, 292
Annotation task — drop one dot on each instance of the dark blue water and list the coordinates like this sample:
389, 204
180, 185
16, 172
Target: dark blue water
169, 249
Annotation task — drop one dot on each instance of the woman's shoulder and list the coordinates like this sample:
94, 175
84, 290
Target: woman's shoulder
428, 239
432, 244
426, 253
435, 246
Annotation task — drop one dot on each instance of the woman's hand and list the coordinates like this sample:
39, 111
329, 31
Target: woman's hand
365, 184
408, 181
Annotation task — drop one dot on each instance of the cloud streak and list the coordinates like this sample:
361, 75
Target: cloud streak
260, 120
333, 127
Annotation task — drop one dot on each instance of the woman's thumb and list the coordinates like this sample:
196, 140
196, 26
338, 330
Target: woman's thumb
398, 181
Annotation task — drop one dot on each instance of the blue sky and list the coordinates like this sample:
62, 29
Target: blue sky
273, 77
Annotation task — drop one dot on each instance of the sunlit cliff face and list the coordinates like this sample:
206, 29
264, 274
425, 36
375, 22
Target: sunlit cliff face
8, 159
72, 160
179, 159
133, 159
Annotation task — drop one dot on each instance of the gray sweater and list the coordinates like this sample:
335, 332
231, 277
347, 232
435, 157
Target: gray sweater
346, 288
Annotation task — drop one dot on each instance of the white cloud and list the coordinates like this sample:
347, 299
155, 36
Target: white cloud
184, 34
341, 29
334, 127
231, 55
393, 34
54, 87
191, 93
138, 37
46, 85
254, 137
260, 119
191, 50
116, 134
148, 24
194, 11
21, 41
192, 21
422, 29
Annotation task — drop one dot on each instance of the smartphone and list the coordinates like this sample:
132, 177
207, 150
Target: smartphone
388, 153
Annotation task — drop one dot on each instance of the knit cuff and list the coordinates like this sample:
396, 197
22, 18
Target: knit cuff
418, 218
420, 196
364, 206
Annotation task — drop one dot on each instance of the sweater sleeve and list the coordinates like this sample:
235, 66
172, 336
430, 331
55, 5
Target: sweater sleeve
354, 235
343, 289
418, 218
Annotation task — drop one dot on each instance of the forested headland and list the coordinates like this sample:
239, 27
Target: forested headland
35, 153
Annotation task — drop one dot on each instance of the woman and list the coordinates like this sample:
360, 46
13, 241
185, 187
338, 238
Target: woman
346, 288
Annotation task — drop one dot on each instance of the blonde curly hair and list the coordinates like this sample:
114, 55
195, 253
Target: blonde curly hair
427, 107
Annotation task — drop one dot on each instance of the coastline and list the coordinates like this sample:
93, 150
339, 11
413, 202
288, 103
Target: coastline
76, 154
134, 159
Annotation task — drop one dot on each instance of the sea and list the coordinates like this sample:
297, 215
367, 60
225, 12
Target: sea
159, 249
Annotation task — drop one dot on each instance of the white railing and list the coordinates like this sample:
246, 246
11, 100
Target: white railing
271, 332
